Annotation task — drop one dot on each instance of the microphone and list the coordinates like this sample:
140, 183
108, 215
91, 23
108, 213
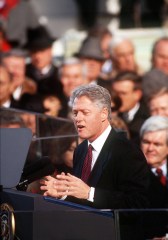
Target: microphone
35, 171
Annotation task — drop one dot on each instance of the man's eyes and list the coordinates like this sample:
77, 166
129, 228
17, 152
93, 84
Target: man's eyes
83, 112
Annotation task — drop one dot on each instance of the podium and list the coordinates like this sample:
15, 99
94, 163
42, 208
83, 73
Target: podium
28, 216
37, 218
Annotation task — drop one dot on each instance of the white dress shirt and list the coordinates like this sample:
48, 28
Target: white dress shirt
163, 168
98, 144
133, 111
97, 147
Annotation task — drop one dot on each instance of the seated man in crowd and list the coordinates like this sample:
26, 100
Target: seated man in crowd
122, 53
154, 144
41, 69
158, 103
160, 55
15, 62
133, 111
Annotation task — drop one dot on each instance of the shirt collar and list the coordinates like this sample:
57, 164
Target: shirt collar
99, 142
6, 104
46, 69
133, 111
163, 167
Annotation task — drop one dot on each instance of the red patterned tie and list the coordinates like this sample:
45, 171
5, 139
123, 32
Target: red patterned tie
161, 177
87, 164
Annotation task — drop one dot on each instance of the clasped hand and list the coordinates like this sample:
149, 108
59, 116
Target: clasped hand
64, 185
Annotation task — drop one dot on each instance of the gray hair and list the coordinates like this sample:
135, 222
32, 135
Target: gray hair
116, 40
153, 124
96, 94
73, 61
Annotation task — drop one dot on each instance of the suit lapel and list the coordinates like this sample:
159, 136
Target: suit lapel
102, 160
79, 157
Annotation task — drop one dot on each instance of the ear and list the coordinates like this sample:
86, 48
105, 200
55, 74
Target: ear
138, 94
104, 114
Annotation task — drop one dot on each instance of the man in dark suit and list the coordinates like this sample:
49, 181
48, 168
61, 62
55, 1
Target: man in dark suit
128, 86
118, 176
42, 69
154, 144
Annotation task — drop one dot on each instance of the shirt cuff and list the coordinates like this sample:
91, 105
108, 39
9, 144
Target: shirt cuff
91, 194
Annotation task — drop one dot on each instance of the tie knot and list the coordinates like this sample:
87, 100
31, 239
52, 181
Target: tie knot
161, 177
159, 171
90, 147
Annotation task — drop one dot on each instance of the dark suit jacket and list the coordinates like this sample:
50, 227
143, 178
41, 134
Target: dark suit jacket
48, 83
120, 175
155, 222
134, 126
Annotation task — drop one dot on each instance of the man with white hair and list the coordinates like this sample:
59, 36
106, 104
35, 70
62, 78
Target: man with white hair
72, 75
122, 52
154, 144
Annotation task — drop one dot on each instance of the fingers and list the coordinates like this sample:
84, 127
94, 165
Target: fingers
68, 177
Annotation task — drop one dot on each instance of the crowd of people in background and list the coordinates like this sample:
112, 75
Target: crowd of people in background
30, 79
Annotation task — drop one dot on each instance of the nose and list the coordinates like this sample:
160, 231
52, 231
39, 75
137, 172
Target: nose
150, 147
78, 117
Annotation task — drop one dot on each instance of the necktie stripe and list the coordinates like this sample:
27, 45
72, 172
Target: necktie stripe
86, 170
161, 177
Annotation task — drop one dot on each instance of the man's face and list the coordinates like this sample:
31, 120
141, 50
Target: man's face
155, 148
16, 66
124, 57
129, 96
52, 106
68, 155
41, 58
88, 118
159, 105
93, 68
160, 57
71, 77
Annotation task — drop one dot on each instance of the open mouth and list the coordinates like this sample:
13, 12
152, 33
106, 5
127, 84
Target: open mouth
79, 127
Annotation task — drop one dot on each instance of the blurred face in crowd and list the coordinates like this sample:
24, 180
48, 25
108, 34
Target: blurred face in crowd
123, 56
52, 105
129, 96
160, 56
158, 105
30, 121
72, 76
16, 66
68, 155
90, 119
5, 85
155, 147
105, 41
93, 68
41, 58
